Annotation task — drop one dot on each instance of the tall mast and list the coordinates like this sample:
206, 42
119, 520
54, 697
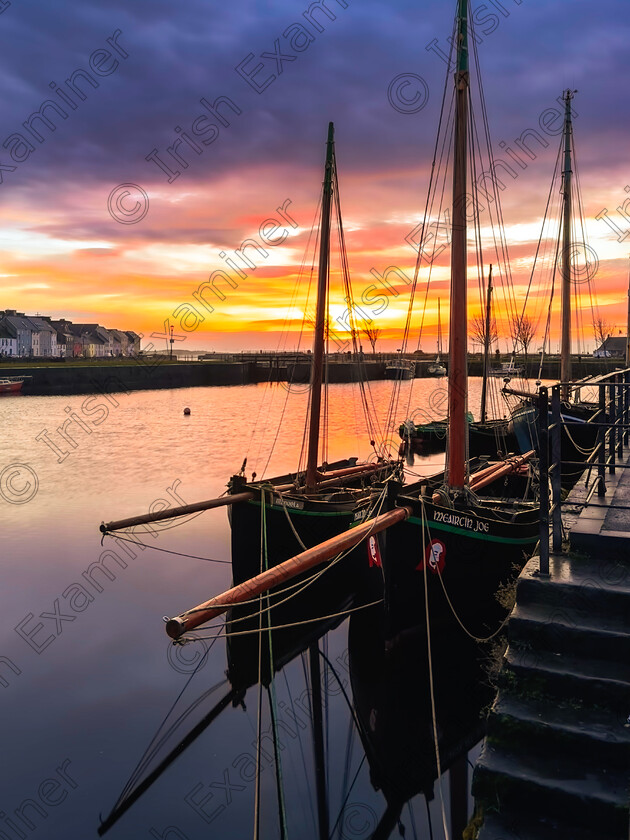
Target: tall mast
320, 317
457, 373
628, 327
486, 348
439, 343
565, 348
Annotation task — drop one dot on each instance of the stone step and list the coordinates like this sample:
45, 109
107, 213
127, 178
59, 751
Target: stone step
585, 587
571, 730
564, 630
553, 787
539, 675
511, 825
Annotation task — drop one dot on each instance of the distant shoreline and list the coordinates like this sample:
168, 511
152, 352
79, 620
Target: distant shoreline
147, 373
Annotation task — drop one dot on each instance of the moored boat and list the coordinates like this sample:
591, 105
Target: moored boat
457, 547
438, 368
400, 369
11, 384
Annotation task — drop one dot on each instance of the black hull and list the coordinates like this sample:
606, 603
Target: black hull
478, 549
312, 607
483, 438
577, 440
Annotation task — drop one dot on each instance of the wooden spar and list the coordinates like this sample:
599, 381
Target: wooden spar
458, 350
528, 395
565, 348
439, 341
292, 567
324, 480
144, 519
360, 468
486, 348
320, 318
491, 473
628, 327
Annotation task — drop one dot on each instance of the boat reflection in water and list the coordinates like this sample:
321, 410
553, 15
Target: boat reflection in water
395, 689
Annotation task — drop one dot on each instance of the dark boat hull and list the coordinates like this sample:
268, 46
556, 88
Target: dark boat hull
483, 438
577, 440
312, 603
469, 553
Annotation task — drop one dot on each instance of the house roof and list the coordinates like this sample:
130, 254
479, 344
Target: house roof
615, 345
19, 322
119, 335
41, 325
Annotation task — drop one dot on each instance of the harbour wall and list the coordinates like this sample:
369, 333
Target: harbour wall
144, 373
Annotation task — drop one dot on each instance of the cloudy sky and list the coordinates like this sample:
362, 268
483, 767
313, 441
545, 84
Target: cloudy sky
129, 80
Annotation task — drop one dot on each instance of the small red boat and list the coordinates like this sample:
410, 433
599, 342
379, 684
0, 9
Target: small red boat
11, 384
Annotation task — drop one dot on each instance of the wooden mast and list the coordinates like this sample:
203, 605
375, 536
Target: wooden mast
320, 318
486, 348
628, 327
457, 373
565, 348
439, 341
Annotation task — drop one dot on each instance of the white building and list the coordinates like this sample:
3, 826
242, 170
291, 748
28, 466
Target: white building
8, 343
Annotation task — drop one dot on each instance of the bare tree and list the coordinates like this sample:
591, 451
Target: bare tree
371, 332
523, 332
602, 329
478, 331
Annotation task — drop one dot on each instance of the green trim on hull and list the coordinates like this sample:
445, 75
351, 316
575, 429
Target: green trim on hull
441, 526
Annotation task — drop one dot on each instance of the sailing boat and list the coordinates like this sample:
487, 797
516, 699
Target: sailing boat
457, 542
436, 368
273, 519
578, 441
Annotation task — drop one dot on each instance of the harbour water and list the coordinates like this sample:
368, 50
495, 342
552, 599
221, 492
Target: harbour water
87, 673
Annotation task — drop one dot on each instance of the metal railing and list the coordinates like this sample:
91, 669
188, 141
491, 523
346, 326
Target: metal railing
610, 417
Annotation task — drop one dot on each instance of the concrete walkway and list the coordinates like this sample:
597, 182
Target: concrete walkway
604, 526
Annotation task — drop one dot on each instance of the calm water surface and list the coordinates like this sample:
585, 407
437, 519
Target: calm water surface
88, 675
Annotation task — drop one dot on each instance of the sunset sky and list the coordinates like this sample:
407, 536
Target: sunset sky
76, 242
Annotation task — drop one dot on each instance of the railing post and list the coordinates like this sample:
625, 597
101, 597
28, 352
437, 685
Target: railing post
626, 406
612, 419
543, 437
555, 469
601, 442
619, 415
